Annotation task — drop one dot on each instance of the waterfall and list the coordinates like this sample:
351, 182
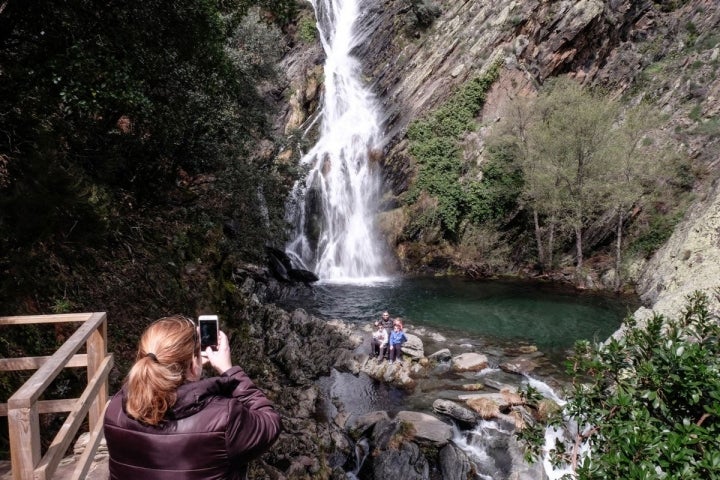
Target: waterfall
333, 210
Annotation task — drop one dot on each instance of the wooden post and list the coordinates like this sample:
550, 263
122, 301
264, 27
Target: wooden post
96, 353
24, 426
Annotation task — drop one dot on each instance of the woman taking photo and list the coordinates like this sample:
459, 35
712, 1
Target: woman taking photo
169, 423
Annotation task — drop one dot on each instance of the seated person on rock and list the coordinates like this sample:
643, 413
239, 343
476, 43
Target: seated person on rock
397, 338
387, 324
168, 423
379, 341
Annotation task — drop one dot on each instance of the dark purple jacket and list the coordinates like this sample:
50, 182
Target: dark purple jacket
214, 429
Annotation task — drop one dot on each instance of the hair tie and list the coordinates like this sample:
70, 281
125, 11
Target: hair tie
152, 356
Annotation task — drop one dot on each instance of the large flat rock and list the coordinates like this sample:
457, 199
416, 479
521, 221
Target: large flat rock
427, 427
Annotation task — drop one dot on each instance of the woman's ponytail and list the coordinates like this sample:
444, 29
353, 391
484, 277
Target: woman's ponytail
166, 352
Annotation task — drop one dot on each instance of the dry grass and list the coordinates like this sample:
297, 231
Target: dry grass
486, 408
405, 433
512, 397
473, 387
517, 419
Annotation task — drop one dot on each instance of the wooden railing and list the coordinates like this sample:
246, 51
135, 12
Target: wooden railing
24, 406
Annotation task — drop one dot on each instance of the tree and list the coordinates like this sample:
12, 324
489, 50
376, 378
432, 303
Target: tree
634, 169
539, 193
107, 110
569, 147
581, 155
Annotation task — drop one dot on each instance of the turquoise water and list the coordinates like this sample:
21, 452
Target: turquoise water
484, 312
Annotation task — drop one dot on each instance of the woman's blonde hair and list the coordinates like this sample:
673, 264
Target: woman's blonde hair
165, 353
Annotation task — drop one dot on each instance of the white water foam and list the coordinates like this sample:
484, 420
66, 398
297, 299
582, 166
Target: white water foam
333, 211
476, 449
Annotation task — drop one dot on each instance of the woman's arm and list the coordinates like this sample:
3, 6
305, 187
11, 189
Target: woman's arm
253, 423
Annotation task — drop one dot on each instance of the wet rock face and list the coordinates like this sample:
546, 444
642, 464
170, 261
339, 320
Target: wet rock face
406, 462
454, 464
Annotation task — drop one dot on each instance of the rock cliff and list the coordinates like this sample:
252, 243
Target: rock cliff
665, 52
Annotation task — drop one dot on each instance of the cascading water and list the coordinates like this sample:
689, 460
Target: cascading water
333, 210
486, 445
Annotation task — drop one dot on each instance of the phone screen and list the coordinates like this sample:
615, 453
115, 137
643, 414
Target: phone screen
208, 333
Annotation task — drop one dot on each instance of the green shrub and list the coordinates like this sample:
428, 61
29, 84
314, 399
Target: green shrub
659, 230
501, 186
434, 142
650, 400
307, 30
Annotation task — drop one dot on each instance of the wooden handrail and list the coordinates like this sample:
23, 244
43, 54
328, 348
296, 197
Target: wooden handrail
23, 407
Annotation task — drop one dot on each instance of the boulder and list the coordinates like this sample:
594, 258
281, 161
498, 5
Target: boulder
504, 399
522, 365
400, 374
280, 256
427, 428
443, 355
277, 268
457, 412
405, 462
300, 275
367, 420
520, 350
413, 347
454, 464
469, 362
472, 387
489, 405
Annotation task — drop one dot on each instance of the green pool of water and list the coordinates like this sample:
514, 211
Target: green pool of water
550, 316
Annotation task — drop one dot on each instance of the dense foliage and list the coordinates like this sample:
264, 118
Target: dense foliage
126, 183
435, 144
649, 402
111, 111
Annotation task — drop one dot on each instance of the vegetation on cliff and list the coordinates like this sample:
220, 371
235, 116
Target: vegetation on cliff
584, 157
434, 143
566, 166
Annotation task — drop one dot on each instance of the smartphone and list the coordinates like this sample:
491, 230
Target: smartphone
208, 331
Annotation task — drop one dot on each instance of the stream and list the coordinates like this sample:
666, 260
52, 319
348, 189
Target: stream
490, 317
493, 317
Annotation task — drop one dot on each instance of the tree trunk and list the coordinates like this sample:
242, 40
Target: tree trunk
538, 240
618, 246
551, 242
578, 246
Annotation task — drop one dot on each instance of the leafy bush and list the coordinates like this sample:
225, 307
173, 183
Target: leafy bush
501, 186
307, 31
112, 113
650, 400
658, 232
434, 142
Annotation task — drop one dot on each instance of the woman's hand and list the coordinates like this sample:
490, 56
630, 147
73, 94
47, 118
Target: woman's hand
220, 358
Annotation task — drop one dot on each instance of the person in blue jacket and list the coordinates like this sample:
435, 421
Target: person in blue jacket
397, 338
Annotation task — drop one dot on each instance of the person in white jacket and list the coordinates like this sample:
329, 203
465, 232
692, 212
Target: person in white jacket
379, 341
